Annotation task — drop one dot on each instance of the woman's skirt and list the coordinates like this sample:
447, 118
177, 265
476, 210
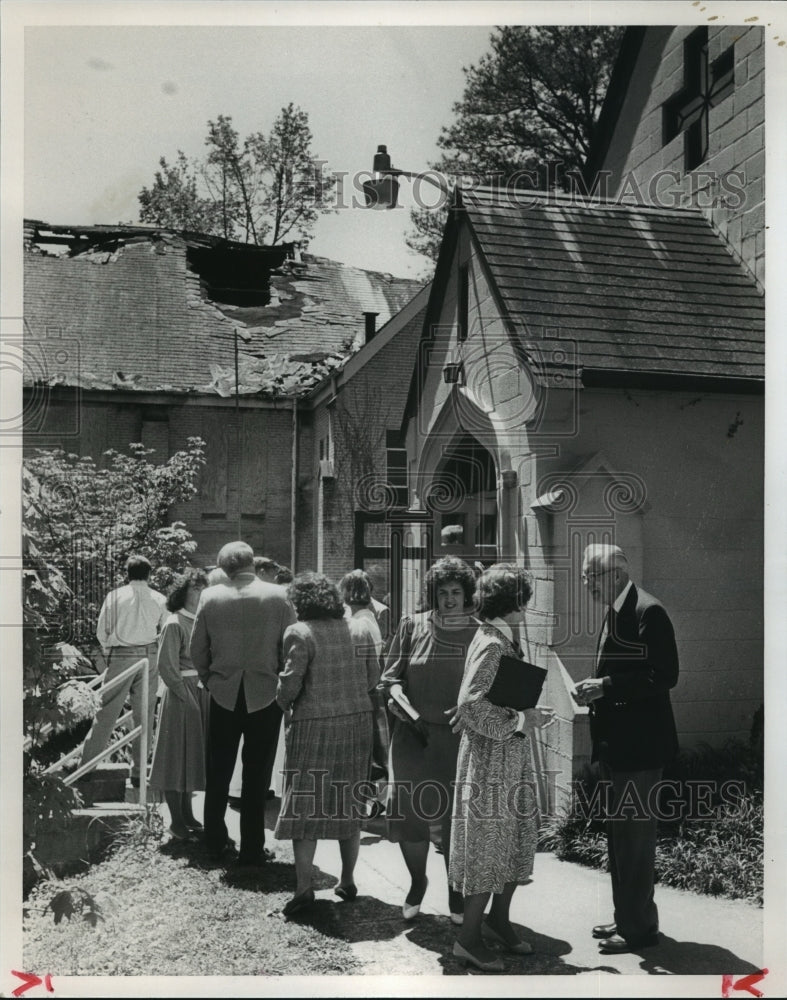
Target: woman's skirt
421, 793
179, 755
326, 777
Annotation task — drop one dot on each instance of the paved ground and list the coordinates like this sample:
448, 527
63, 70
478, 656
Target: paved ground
700, 934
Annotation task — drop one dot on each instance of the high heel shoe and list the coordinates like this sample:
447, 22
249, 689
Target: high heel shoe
346, 892
520, 948
495, 965
411, 910
298, 902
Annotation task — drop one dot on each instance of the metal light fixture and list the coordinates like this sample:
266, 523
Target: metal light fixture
454, 373
382, 190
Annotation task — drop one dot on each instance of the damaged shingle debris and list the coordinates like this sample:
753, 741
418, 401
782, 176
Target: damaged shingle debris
294, 318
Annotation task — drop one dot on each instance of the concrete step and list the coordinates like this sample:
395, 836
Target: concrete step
87, 836
107, 783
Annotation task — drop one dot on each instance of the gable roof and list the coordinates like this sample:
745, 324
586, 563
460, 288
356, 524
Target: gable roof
640, 291
155, 309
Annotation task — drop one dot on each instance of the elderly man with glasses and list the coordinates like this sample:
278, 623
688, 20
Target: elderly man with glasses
634, 737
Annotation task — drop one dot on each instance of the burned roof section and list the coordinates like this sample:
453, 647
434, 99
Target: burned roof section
164, 310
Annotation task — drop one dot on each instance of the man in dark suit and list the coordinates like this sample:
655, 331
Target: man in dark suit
236, 648
633, 734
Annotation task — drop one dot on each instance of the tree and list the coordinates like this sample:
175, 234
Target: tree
80, 522
267, 189
173, 201
528, 114
85, 521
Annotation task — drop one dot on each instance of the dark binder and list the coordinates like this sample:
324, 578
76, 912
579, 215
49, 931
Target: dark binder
517, 684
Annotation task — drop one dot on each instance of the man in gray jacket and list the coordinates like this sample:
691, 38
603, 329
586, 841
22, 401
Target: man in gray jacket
236, 649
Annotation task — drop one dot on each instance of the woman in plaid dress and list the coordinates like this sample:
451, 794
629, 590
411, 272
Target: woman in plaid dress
330, 666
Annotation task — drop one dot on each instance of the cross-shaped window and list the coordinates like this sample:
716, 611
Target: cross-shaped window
705, 84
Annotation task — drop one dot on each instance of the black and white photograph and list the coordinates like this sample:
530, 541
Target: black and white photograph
393, 557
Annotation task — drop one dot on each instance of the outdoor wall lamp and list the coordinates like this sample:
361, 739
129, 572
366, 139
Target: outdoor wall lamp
383, 188
454, 373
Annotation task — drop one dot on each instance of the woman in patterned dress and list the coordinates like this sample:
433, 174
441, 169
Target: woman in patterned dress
330, 667
178, 767
427, 659
494, 829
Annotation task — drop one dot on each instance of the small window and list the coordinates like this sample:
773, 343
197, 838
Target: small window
463, 300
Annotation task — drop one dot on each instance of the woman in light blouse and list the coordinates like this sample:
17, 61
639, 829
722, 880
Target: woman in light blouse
330, 668
179, 755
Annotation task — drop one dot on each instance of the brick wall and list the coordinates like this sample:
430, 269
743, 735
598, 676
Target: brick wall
249, 473
736, 138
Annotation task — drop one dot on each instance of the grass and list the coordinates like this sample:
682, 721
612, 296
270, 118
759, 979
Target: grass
164, 910
719, 856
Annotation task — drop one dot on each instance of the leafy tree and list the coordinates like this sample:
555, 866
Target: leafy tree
266, 189
85, 520
528, 113
80, 524
173, 201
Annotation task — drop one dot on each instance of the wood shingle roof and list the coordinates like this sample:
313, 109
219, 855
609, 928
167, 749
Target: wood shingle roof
636, 289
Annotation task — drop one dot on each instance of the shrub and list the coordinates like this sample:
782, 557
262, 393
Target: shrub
80, 523
718, 855
87, 519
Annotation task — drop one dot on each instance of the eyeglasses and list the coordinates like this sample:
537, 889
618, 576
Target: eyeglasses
592, 577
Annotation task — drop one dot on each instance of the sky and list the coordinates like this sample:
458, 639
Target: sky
103, 104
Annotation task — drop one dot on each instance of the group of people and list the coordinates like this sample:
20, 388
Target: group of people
241, 654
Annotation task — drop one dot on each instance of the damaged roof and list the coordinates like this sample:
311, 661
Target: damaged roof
152, 309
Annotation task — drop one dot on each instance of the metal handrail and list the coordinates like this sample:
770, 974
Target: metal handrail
141, 731
58, 764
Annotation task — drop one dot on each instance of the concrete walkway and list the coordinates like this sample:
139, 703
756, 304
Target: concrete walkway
700, 934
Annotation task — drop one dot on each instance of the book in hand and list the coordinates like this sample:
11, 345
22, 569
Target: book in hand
414, 719
517, 684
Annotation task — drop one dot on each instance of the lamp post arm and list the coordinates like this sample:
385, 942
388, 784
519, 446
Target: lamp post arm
428, 176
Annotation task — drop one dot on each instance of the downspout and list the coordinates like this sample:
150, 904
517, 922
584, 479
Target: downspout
294, 483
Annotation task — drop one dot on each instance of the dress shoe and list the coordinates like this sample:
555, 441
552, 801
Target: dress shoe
346, 892
411, 910
195, 826
255, 860
217, 853
177, 835
605, 930
617, 945
520, 948
300, 901
495, 965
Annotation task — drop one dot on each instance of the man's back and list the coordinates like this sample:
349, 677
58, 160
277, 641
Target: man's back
237, 635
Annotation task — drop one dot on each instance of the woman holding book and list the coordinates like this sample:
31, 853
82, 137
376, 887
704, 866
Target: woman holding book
423, 672
494, 830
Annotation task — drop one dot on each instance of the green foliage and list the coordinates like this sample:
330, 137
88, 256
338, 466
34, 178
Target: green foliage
263, 190
143, 829
46, 806
82, 522
67, 902
174, 202
528, 113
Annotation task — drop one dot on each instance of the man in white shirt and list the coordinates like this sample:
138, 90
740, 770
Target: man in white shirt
129, 624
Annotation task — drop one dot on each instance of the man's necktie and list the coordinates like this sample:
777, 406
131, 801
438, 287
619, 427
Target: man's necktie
606, 628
